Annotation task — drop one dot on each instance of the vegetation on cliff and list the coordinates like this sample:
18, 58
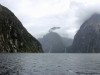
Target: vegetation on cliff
13, 36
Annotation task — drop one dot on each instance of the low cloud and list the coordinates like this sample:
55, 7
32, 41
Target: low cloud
38, 16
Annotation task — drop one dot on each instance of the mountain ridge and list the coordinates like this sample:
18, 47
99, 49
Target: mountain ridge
87, 38
54, 43
13, 36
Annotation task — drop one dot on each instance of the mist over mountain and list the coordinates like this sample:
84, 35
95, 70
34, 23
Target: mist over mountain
87, 39
13, 36
67, 41
54, 43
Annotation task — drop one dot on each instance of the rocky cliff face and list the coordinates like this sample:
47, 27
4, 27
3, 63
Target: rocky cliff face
13, 36
52, 43
87, 39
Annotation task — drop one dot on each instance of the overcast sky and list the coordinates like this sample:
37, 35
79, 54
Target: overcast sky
38, 16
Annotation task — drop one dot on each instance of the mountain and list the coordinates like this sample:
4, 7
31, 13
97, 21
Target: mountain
87, 39
13, 36
53, 43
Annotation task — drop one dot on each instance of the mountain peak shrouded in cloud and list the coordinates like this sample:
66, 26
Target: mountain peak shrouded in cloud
54, 43
96, 15
45, 14
87, 39
53, 28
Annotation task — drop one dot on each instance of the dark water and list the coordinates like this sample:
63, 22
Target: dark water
49, 64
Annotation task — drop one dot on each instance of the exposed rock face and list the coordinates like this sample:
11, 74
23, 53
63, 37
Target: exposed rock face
52, 43
13, 36
87, 39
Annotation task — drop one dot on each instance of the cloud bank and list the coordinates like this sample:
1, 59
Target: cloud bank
38, 16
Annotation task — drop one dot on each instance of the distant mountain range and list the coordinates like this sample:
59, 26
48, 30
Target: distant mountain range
87, 39
13, 36
54, 43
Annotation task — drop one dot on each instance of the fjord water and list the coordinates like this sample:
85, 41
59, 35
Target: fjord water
49, 64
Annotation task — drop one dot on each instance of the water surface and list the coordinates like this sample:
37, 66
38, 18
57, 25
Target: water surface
49, 64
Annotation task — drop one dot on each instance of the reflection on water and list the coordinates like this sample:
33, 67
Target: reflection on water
49, 64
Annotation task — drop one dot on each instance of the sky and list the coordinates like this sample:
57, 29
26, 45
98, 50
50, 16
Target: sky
38, 16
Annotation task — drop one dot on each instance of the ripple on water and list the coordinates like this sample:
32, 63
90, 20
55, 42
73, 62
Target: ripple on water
49, 64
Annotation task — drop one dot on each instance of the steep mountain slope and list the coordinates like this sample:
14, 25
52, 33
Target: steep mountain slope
52, 43
13, 36
87, 39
